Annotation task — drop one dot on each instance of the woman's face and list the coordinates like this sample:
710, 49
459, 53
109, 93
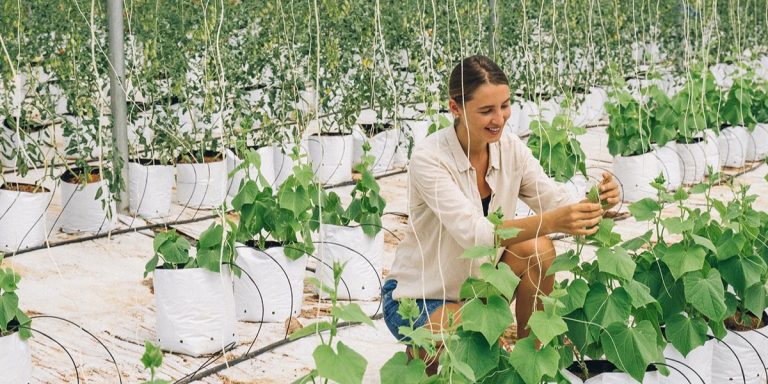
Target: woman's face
484, 115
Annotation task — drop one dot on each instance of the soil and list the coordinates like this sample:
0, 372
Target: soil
208, 157
738, 323
149, 283
329, 134
293, 324
596, 367
21, 187
73, 176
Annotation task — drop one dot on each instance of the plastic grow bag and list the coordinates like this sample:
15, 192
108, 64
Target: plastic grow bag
635, 174
149, 189
22, 219
331, 157
732, 144
201, 185
741, 357
695, 368
267, 169
278, 291
15, 360
592, 110
283, 164
757, 149
195, 310
361, 278
13, 140
383, 148
670, 165
693, 161
529, 111
651, 376
82, 212
711, 151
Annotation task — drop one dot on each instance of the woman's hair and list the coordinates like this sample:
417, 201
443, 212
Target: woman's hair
470, 74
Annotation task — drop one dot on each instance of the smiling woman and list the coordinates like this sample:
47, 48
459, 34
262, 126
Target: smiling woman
457, 176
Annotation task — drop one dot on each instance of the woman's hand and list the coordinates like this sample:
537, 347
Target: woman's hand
609, 191
575, 219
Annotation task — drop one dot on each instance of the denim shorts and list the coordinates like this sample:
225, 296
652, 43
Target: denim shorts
393, 319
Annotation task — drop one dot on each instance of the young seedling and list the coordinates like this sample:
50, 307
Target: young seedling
152, 360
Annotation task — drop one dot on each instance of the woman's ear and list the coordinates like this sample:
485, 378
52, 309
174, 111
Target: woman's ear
455, 108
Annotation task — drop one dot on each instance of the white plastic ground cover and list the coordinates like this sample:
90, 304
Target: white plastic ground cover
592, 110
732, 145
82, 212
361, 278
635, 174
670, 165
758, 143
149, 189
278, 291
751, 348
696, 368
22, 219
331, 157
613, 378
195, 310
15, 360
201, 185
693, 161
711, 150
267, 169
283, 164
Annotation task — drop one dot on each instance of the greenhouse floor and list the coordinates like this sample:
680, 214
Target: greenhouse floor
97, 284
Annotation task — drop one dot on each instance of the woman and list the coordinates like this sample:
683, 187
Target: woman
456, 177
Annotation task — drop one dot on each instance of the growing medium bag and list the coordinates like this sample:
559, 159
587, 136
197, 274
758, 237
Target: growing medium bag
695, 368
741, 356
635, 174
82, 211
732, 145
331, 157
361, 278
149, 189
201, 185
22, 219
15, 360
195, 310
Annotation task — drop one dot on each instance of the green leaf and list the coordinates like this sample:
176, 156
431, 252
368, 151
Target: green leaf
398, 370
211, 237
605, 237
310, 329
593, 195
677, 225
346, 367
639, 292
473, 349
546, 326
681, 260
632, 349
637, 242
730, 244
706, 295
616, 262
351, 312
172, 248
742, 272
296, 200
604, 308
645, 209
478, 252
489, 319
9, 305
507, 233
686, 333
755, 298
531, 364
577, 295
501, 277
565, 262
153, 356
704, 242
477, 288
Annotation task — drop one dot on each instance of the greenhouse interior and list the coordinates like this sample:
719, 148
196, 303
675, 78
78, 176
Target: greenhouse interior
367, 191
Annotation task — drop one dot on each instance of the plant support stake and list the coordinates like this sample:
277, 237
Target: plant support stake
117, 104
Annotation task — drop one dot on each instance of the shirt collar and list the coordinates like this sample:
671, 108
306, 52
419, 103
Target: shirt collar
462, 162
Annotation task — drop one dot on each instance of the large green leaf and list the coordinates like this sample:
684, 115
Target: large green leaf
645, 209
686, 333
565, 262
531, 364
640, 294
473, 349
489, 319
577, 294
351, 312
632, 349
9, 304
501, 277
616, 262
478, 252
706, 294
603, 308
398, 370
546, 326
742, 272
681, 260
346, 367
755, 298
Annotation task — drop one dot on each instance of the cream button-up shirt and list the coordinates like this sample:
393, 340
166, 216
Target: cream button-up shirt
446, 213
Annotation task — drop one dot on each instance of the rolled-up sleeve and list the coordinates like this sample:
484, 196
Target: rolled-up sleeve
537, 189
442, 194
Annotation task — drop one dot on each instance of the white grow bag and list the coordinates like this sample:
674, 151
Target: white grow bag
592, 110
652, 377
267, 169
201, 185
693, 161
695, 368
15, 360
82, 211
283, 164
331, 157
711, 151
149, 189
635, 174
195, 310
280, 283
758, 143
22, 219
383, 148
732, 144
361, 278
751, 347
671, 165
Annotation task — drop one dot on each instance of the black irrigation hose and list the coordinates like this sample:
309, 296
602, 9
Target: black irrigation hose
74, 365
256, 353
679, 371
762, 363
686, 366
741, 367
261, 299
211, 359
114, 361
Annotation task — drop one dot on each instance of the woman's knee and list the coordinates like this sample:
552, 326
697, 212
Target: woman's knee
537, 254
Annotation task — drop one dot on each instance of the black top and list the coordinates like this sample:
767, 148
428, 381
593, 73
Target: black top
486, 202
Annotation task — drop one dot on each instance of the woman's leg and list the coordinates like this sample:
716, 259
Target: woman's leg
439, 320
530, 261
